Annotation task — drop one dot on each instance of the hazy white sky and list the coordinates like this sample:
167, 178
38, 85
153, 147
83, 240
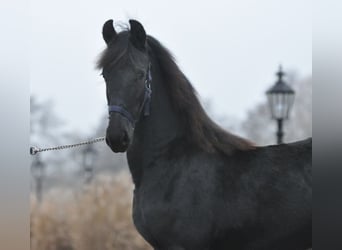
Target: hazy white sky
229, 50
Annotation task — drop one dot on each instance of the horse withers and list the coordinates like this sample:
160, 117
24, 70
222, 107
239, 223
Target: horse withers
197, 186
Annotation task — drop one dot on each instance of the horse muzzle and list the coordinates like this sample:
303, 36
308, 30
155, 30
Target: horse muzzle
119, 133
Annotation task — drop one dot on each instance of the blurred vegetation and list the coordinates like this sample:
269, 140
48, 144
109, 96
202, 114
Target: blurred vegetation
96, 216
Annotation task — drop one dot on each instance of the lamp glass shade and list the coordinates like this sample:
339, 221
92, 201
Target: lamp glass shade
280, 104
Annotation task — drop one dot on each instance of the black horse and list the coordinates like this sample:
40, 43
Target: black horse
197, 187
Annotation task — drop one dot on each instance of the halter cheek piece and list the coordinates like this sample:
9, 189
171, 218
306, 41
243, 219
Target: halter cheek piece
145, 106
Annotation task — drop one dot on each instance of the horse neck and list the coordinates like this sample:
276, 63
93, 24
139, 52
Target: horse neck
154, 133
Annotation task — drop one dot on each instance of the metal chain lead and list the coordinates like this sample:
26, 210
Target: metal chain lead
34, 150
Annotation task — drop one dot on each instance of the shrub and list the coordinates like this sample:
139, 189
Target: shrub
98, 216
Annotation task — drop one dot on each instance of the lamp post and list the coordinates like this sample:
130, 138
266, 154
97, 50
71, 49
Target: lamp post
89, 154
280, 98
38, 172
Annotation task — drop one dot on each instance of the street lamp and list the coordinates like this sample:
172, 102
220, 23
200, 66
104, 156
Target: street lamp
280, 98
89, 155
38, 169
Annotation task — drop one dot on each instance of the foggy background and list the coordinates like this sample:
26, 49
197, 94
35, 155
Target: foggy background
229, 50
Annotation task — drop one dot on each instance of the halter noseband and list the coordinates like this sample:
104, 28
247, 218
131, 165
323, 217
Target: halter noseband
145, 106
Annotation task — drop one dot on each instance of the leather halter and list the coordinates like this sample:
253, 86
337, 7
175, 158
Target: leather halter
145, 106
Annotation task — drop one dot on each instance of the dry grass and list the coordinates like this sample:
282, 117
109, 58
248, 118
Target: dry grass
97, 217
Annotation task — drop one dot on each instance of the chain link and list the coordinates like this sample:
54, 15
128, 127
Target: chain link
34, 150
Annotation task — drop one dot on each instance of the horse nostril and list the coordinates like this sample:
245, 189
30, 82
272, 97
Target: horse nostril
124, 139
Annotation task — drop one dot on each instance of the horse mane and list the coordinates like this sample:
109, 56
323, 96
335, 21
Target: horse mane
200, 130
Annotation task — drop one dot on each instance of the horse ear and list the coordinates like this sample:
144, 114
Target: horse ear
137, 34
108, 31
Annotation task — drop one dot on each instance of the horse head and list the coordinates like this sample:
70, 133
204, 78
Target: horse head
126, 70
